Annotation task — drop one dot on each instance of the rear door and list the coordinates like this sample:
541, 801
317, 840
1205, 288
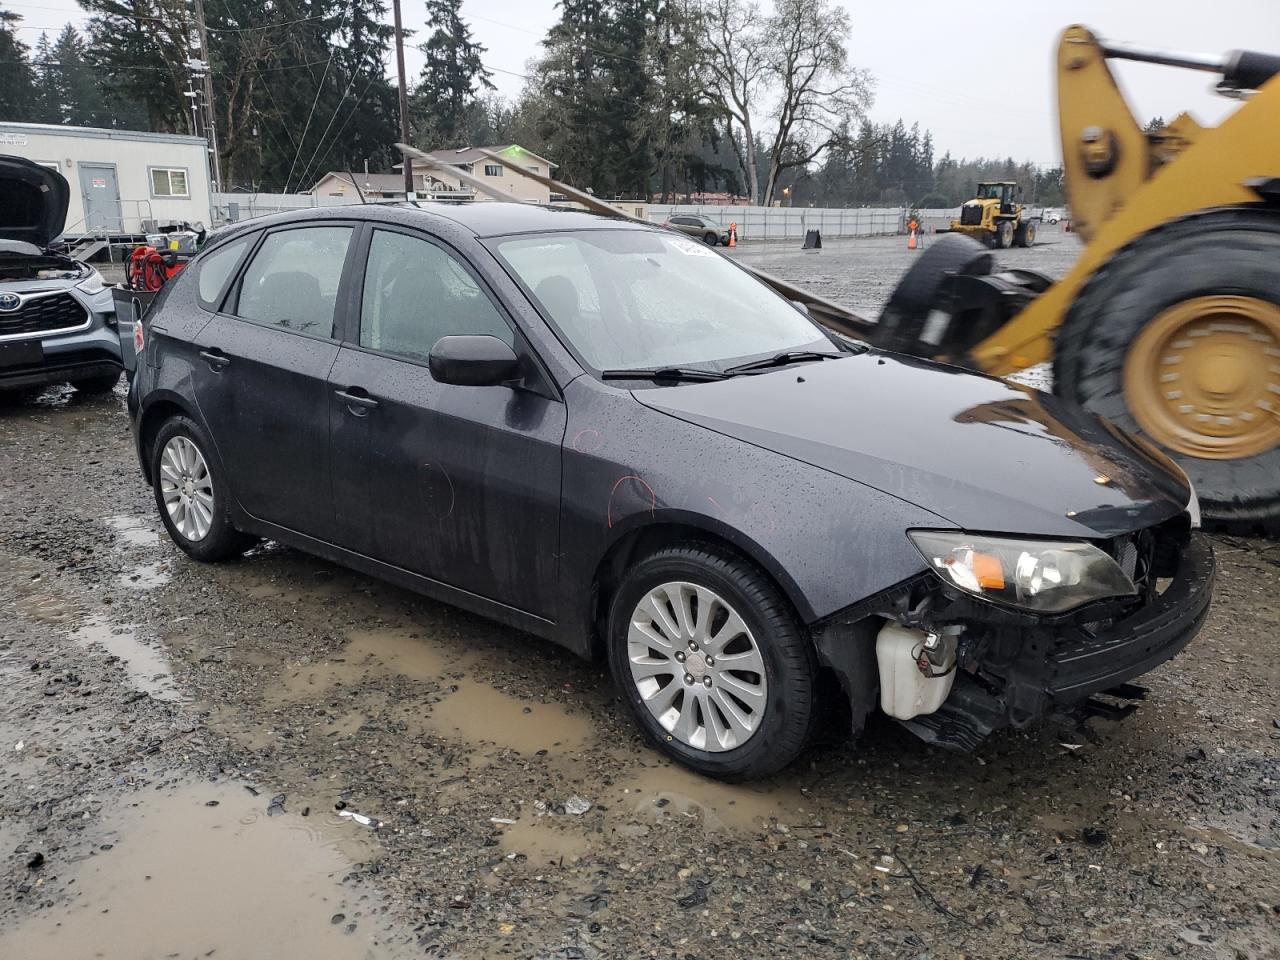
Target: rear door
459, 484
262, 368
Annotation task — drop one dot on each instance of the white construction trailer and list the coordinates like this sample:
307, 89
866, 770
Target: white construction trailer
124, 183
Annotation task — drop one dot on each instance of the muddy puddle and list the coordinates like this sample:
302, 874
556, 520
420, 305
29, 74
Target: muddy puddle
148, 667
653, 793
134, 531
201, 870
462, 707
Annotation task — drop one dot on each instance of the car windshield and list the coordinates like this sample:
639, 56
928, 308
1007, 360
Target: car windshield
641, 299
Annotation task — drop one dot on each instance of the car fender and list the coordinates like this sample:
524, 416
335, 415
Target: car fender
827, 541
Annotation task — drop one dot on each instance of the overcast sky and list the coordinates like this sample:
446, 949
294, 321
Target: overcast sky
996, 102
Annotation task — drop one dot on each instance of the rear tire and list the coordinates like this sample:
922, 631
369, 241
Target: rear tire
1026, 235
773, 721
1111, 341
95, 386
181, 461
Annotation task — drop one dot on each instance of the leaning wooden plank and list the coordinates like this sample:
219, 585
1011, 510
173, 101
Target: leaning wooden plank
457, 173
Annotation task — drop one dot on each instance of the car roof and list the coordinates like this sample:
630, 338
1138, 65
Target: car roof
481, 218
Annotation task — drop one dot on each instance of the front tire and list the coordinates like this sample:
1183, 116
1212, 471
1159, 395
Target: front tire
191, 496
713, 663
710, 239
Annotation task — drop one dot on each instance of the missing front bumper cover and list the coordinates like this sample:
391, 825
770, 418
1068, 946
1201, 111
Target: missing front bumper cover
1045, 669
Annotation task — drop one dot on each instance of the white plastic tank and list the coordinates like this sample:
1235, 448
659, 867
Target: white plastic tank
906, 691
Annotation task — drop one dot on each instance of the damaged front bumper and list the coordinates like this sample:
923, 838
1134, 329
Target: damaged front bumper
1018, 675
1011, 669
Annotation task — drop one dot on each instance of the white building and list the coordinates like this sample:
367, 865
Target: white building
438, 185
122, 181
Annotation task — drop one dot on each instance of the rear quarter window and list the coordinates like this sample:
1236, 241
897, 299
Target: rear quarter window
214, 270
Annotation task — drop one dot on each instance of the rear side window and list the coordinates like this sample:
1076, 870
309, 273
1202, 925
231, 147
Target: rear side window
216, 268
292, 281
415, 293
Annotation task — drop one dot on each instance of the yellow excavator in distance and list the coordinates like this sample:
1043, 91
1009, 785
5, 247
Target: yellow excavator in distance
1169, 322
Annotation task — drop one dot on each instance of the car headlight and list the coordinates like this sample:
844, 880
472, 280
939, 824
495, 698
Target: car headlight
1046, 576
93, 284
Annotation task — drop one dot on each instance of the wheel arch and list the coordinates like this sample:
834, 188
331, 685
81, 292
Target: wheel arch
643, 537
162, 406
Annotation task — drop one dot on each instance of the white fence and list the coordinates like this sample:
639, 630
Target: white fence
230, 207
754, 223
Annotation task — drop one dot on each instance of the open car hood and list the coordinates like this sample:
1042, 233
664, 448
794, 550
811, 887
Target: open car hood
33, 202
986, 454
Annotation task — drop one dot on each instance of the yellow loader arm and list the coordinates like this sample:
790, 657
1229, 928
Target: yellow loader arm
1122, 182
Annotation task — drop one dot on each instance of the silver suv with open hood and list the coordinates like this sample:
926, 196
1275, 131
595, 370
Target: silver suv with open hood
57, 319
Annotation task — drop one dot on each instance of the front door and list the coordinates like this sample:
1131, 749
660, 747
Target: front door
261, 375
458, 484
100, 194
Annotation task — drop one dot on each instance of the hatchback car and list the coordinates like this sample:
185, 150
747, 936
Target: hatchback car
57, 318
704, 228
609, 435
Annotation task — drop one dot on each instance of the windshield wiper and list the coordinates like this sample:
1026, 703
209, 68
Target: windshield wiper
783, 359
664, 373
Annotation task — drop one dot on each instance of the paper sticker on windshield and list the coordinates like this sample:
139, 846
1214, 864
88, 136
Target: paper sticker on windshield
691, 248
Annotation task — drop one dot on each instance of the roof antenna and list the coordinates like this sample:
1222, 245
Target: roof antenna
357, 186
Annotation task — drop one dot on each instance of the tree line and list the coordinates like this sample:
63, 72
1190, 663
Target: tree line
636, 98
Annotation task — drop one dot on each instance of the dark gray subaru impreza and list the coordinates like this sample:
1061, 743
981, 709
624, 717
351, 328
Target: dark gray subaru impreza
614, 437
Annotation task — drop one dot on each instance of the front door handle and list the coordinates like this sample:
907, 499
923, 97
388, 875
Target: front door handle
216, 359
356, 401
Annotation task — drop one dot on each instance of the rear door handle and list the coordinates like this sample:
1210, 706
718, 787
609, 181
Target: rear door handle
216, 359
361, 399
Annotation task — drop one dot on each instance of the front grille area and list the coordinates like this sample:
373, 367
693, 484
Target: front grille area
57, 312
971, 214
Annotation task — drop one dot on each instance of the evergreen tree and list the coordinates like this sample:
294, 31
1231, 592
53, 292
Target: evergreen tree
78, 88
450, 80
16, 79
45, 104
139, 49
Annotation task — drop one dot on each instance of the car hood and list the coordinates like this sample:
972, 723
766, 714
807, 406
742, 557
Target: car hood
982, 453
33, 201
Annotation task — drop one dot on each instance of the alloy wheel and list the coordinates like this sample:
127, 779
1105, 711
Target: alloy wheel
186, 487
697, 667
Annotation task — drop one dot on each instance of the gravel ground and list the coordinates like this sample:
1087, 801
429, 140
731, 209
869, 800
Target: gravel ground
184, 746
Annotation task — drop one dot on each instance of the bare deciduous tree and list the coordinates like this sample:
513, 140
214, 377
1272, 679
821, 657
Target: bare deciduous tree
736, 39
793, 61
818, 91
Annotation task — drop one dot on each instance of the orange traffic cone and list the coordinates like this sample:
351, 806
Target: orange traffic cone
911, 239
733, 234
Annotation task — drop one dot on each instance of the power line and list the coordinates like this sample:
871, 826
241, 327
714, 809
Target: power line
319, 89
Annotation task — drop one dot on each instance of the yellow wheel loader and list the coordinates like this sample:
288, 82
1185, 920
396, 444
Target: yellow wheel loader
996, 217
1169, 323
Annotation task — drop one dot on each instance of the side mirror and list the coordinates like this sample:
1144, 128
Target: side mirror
473, 361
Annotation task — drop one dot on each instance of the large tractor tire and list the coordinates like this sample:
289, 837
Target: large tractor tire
1004, 235
1177, 338
1026, 235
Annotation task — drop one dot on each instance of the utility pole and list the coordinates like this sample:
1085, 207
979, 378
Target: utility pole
211, 124
409, 192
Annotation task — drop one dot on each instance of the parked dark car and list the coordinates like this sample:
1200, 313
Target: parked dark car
57, 319
609, 435
704, 228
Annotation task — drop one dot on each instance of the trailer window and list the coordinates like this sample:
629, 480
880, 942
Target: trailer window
169, 182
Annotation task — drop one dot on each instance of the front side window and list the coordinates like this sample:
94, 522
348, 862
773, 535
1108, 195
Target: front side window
492, 170
169, 182
215, 268
292, 281
415, 293
635, 299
